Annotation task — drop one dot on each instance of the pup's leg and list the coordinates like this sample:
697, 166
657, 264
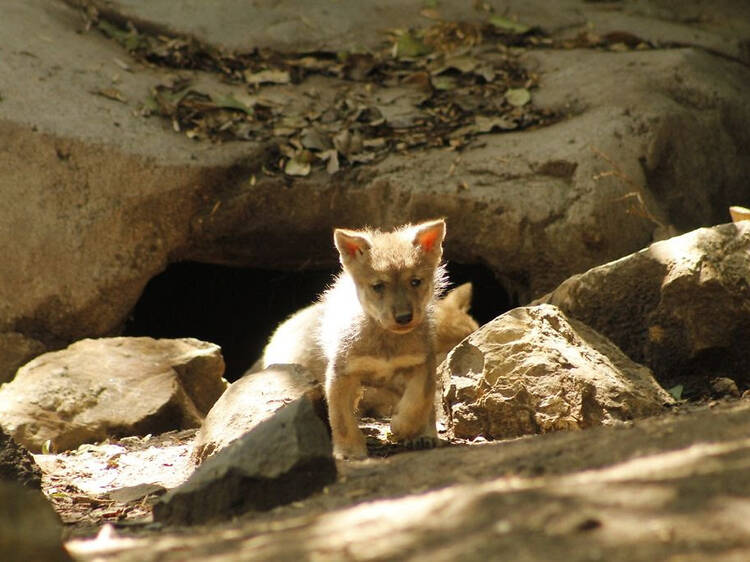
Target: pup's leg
414, 418
342, 392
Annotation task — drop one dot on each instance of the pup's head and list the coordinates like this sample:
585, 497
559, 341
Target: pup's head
394, 272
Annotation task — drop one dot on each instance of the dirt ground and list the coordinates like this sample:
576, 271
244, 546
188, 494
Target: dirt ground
673, 487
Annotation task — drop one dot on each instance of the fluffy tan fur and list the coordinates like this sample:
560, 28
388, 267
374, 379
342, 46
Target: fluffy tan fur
374, 328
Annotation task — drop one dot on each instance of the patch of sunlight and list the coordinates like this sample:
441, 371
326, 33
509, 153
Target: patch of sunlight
388, 528
683, 249
696, 459
106, 541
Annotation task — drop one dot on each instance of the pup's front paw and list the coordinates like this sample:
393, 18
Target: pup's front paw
354, 450
411, 430
421, 442
403, 429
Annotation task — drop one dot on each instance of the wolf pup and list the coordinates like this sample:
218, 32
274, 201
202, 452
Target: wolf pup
375, 322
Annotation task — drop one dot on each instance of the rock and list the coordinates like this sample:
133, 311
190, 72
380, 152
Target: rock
532, 370
15, 350
251, 400
96, 389
679, 306
724, 387
110, 195
29, 527
137, 492
357, 27
17, 464
542, 204
739, 213
284, 458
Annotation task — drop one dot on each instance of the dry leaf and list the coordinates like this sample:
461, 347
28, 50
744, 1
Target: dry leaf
270, 76
299, 165
409, 45
510, 26
739, 213
517, 97
487, 124
332, 160
112, 94
431, 13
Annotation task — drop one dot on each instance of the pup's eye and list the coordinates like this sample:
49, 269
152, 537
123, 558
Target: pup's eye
416, 282
378, 287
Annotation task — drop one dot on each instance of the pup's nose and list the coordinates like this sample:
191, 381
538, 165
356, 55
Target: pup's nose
404, 318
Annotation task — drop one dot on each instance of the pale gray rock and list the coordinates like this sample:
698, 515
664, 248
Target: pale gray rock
96, 389
532, 370
251, 400
680, 306
137, 492
286, 457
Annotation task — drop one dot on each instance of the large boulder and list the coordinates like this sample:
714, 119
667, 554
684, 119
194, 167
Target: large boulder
680, 306
95, 389
96, 197
250, 401
532, 370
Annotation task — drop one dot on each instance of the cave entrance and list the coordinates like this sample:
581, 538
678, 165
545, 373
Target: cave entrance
239, 308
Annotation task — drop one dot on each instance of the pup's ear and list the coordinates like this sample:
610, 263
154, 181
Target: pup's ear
428, 237
460, 297
353, 246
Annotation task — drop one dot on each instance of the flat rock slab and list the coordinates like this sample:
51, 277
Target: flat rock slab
250, 401
111, 387
532, 370
283, 459
680, 306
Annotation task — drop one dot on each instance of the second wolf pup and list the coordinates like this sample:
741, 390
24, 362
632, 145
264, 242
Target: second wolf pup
376, 322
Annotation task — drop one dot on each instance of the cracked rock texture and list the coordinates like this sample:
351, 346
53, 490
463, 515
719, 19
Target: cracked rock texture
533, 370
96, 389
17, 464
680, 306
